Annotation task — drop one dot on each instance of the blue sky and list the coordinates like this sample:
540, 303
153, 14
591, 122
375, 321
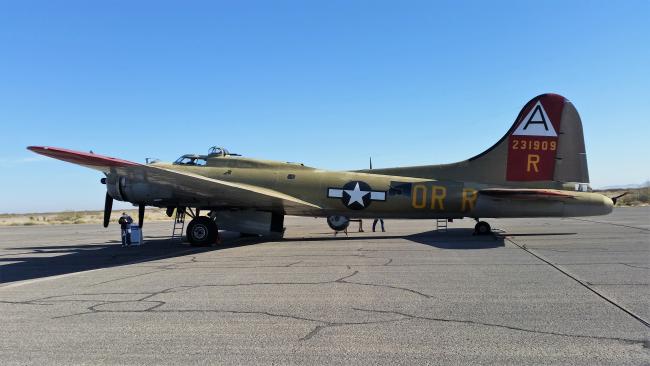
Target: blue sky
328, 83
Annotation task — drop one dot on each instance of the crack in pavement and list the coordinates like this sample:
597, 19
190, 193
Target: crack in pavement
595, 263
583, 249
633, 266
154, 306
343, 280
326, 325
581, 282
618, 284
608, 223
28, 302
510, 327
132, 276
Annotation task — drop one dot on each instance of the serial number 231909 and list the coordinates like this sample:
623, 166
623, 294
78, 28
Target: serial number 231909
534, 145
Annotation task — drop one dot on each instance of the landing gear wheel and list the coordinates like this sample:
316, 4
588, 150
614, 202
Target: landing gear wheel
202, 231
337, 222
482, 228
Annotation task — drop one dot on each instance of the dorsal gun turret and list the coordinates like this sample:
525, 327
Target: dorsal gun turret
219, 151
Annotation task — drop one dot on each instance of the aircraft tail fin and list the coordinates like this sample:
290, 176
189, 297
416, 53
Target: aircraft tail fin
544, 148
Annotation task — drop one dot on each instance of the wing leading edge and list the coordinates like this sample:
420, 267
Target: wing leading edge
184, 185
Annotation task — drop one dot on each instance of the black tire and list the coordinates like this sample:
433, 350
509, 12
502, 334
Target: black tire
482, 228
338, 222
202, 231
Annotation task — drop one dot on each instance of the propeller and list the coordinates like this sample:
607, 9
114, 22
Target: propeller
108, 207
141, 215
371, 163
614, 199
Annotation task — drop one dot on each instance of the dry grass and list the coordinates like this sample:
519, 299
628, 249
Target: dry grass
76, 217
635, 196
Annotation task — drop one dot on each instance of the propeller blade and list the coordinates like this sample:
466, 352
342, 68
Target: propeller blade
141, 215
371, 163
614, 199
108, 207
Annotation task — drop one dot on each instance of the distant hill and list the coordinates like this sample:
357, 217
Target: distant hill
626, 186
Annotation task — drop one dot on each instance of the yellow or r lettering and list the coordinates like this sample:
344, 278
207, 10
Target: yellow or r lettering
438, 194
469, 199
414, 200
533, 160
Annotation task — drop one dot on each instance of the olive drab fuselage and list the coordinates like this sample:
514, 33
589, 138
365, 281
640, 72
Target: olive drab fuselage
380, 195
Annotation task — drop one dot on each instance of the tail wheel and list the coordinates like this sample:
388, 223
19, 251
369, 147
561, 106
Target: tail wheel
202, 230
482, 228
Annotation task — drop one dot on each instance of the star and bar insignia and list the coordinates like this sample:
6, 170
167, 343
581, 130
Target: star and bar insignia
356, 195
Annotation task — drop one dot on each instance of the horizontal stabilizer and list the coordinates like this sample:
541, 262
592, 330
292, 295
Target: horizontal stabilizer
530, 194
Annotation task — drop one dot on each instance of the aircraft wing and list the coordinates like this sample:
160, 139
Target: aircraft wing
185, 187
525, 194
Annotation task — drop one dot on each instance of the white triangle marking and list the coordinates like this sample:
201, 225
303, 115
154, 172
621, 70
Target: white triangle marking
536, 123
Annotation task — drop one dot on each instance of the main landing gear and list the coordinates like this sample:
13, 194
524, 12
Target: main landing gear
200, 231
482, 228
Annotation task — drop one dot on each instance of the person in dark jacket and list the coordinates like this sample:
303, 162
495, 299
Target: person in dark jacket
125, 222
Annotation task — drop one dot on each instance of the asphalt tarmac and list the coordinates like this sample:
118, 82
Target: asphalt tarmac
540, 291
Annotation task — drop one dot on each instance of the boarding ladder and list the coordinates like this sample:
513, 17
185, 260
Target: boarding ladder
441, 225
179, 225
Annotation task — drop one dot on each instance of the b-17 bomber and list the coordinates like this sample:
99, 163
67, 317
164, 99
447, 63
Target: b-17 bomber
537, 169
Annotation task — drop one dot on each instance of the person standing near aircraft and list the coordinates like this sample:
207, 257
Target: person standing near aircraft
125, 222
374, 224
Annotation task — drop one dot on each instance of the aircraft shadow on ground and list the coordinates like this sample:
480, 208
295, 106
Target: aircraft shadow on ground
451, 239
460, 238
33, 262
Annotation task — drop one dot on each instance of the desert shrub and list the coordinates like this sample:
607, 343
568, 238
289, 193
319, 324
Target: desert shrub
67, 217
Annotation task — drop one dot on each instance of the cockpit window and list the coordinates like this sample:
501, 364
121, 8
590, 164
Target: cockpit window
217, 151
191, 161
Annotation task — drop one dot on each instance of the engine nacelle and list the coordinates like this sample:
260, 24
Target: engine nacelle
338, 223
130, 190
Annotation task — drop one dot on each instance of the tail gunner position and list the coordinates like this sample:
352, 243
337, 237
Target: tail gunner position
538, 169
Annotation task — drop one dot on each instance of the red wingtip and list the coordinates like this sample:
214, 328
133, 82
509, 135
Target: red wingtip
81, 158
